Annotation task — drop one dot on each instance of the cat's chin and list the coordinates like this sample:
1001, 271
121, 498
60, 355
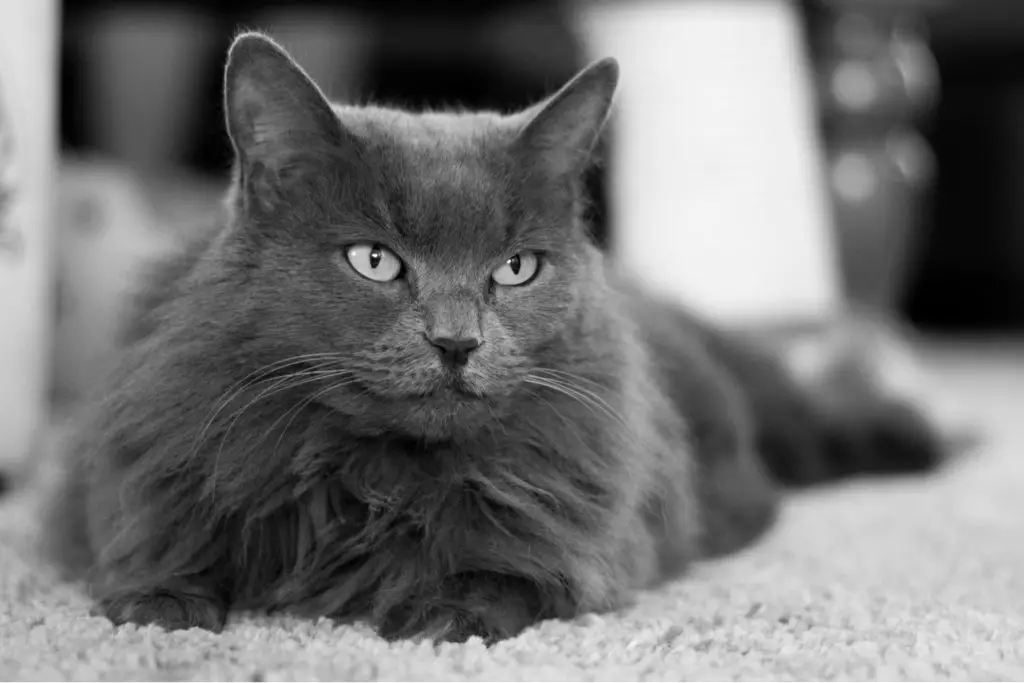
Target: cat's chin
446, 413
440, 419
451, 394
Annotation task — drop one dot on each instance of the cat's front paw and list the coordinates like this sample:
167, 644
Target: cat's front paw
171, 610
448, 625
901, 437
490, 606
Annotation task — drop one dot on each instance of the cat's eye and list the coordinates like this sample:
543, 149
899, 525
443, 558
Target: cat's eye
374, 262
518, 270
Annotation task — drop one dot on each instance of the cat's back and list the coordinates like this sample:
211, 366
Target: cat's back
671, 333
686, 365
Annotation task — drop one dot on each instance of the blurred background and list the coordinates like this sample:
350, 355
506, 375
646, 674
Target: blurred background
865, 151
927, 190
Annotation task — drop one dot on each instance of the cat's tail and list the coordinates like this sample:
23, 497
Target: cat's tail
843, 407
826, 440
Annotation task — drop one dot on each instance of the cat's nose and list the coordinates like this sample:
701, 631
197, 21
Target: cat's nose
454, 351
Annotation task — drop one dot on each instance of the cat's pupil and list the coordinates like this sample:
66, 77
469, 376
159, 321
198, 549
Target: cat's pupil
375, 256
515, 263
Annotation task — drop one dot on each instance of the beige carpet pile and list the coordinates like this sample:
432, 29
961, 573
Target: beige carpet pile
912, 579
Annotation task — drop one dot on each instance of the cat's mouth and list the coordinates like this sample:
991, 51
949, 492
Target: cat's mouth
440, 408
452, 387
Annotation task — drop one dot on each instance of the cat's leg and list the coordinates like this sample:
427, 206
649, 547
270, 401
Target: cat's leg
876, 434
489, 605
158, 560
810, 432
565, 578
142, 592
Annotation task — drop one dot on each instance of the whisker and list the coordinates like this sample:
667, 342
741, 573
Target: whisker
297, 409
289, 382
277, 365
254, 378
285, 383
586, 398
568, 375
566, 422
593, 395
281, 365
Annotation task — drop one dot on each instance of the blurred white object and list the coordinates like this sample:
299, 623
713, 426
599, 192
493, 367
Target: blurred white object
717, 186
28, 82
108, 231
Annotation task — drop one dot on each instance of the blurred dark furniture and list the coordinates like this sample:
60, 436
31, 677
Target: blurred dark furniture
971, 277
423, 54
928, 190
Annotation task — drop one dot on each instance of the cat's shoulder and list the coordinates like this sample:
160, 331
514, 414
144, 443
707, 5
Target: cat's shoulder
656, 317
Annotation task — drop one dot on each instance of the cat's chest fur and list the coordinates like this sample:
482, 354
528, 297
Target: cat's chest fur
349, 515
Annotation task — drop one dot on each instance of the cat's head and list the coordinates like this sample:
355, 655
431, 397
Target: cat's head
435, 259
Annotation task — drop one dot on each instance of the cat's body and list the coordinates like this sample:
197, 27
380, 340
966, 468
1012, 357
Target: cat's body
451, 447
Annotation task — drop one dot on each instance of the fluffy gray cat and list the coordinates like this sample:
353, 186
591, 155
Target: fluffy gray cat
401, 384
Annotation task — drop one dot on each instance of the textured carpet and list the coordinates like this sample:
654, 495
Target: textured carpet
913, 579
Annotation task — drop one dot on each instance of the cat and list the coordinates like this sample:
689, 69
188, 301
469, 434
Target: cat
401, 384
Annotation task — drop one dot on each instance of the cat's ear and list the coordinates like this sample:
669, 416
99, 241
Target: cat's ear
563, 130
271, 106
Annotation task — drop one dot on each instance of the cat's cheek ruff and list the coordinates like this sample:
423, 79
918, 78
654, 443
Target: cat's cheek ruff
562, 529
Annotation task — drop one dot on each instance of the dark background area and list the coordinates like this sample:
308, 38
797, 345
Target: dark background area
424, 56
971, 272
961, 227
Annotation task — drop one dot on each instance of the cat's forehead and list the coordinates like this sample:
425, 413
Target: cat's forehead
429, 133
444, 175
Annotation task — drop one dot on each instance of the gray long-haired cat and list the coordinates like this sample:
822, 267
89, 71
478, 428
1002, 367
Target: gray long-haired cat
400, 384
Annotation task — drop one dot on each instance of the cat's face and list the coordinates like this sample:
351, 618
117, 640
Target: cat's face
435, 260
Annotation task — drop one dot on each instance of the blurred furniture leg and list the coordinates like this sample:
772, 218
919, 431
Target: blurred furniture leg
145, 67
970, 272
